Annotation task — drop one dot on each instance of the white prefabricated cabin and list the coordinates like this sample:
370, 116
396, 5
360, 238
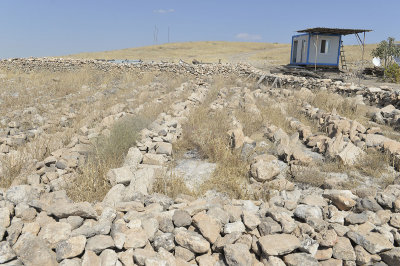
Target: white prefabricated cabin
319, 46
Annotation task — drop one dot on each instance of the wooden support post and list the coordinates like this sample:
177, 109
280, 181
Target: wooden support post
362, 46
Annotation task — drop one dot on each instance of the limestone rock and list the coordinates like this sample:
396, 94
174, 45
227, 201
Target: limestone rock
55, 232
208, 226
135, 238
250, 220
164, 148
341, 201
350, 154
165, 241
6, 252
108, 257
363, 257
343, 250
99, 243
154, 159
263, 171
32, 250
133, 158
181, 218
70, 248
304, 212
391, 257
142, 181
278, 244
234, 227
237, 254
122, 175
140, 255
22, 193
4, 217
300, 259
192, 241
323, 254
64, 210
90, 258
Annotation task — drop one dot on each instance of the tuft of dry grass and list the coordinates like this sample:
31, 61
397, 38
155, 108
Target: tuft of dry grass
108, 152
171, 186
275, 114
309, 175
346, 107
11, 166
251, 123
374, 163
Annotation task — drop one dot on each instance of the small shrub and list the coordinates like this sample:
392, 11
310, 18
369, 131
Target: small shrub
10, 167
374, 163
171, 186
392, 73
309, 175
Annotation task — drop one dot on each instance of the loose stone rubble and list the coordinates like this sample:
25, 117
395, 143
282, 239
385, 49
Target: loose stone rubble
296, 225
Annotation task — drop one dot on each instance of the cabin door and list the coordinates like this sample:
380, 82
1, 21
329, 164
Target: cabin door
294, 56
303, 46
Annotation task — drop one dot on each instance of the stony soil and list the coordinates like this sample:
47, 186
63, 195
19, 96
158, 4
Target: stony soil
321, 185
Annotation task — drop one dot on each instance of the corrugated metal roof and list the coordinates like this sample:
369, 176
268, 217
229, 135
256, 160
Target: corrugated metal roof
334, 31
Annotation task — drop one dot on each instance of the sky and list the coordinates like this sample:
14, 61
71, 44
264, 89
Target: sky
61, 27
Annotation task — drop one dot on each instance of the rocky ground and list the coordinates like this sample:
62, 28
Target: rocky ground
229, 166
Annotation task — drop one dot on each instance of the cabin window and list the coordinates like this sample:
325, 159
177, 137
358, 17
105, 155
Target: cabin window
324, 46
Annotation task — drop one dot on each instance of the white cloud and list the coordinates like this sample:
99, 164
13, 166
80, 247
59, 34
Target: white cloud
248, 36
164, 11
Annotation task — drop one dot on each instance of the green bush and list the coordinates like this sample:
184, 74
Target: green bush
392, 73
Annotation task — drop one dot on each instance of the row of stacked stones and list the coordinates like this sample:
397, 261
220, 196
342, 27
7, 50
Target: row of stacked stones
66, 64
342, 130
381, 96
296, 227
148, 161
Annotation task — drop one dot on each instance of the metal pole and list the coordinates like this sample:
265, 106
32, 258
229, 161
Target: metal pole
362, 60
316, 55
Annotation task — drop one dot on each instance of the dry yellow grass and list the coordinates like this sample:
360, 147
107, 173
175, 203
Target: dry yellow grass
353, 55
207, 51
108, 152
206, 132
344, 106
259, 54
171, 186
55, 94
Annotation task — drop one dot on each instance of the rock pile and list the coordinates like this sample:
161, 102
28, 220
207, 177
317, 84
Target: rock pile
297, 227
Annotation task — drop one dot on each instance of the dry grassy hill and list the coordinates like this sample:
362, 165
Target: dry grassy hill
260, 54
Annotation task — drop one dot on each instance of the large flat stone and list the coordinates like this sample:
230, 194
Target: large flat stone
279, 244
